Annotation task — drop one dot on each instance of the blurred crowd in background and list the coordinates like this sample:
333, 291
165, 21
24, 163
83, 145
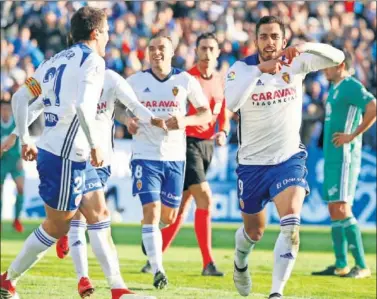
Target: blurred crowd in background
32, 31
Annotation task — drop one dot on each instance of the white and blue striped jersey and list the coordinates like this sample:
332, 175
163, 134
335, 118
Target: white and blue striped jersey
115, 88
270, 105
62, 79
164, 98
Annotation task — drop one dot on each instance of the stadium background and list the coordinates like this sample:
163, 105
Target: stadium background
32, 31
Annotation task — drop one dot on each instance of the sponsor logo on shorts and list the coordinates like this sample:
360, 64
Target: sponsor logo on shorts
332, 190
139, 185
78, 200
290, 180
242, 204
93, 185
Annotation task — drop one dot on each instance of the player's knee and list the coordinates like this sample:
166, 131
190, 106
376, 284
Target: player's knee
339, 211
255, 233
292, 233
203, 198
56, 229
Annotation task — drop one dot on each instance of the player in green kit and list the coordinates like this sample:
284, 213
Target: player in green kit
350, 111
11, 163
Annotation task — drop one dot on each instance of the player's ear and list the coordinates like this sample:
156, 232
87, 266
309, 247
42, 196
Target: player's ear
284, 43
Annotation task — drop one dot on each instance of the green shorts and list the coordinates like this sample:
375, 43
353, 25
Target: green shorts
340, 182
13, 166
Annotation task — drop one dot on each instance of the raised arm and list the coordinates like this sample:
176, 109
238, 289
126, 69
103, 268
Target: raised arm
312, 57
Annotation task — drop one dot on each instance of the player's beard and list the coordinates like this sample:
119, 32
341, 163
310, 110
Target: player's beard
265, 56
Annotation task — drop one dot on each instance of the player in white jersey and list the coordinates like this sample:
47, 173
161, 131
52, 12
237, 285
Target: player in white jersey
158, 158
68, 83
266, 91
115, 89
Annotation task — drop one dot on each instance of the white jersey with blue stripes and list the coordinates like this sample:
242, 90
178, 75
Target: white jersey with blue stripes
164, 98
60, 78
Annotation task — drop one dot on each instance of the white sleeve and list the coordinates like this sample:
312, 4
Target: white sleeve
240, 82
91, 78
196, 95
316, 57
20, 107
34, 110
126, 95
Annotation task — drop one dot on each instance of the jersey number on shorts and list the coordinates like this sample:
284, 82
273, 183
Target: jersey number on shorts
56, 74
138, 171
78, 184
240, 187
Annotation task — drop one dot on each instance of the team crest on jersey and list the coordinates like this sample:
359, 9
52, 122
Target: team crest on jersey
286, 78
139, 184
242, 204
175, 90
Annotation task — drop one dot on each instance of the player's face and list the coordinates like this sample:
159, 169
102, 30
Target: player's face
208, 51
270, 41
160, 52
332, 73
102, 37
6, 112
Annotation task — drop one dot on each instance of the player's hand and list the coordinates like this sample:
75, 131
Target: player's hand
292, 52
340, 139
220, 138
8, 144
132, 125
96, 157
159, 123
29, 152
176, 122
272, 66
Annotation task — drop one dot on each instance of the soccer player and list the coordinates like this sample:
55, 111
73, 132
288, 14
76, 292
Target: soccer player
350, 111
68, 83
115, 88
158, 158
11, 163
267, 94
199, 154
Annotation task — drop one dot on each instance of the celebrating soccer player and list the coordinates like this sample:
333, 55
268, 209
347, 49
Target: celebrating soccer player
200, 146
68, 83
266, 91
158, 158
350, 111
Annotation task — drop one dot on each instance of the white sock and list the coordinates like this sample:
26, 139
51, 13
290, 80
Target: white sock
78, 248
152, 240
35, 246
105, 251
244, 245
285, 252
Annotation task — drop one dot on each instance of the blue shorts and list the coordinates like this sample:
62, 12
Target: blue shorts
96, 178
61, 181
259, 184
104, 173
158, 180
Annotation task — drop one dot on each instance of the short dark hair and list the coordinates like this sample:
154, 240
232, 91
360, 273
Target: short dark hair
348, 60
271, 20
161, 34
84, 21
207, 35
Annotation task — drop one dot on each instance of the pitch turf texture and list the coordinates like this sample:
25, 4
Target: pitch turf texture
54, 278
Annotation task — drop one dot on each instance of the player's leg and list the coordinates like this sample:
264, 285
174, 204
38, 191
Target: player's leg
343, 213
288, 193
147, 181
338, 211
61, 190
246, 238
19, 179
97, 215
3, 174
252, 191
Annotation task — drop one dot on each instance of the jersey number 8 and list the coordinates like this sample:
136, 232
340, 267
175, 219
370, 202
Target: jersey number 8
138, 171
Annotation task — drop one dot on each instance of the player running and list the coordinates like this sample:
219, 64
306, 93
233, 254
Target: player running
11, 163
158, 159
199, 154
68, 83
350, 111
267, 94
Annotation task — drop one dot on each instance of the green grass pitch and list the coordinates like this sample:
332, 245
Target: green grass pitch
54, 278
